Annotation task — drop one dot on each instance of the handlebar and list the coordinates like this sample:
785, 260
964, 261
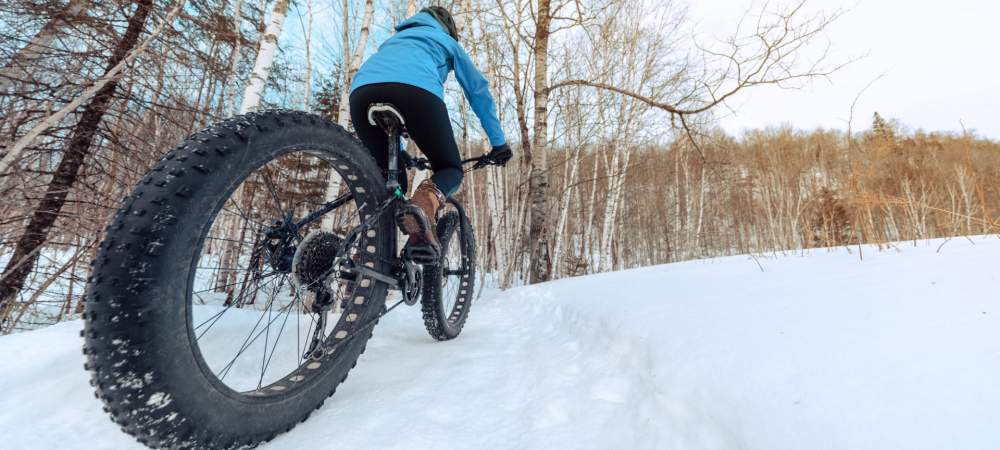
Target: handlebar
423, 164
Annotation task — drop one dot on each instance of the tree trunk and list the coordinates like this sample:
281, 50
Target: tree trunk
77, 149
308, 78
110, 75
345, 51
229, 91
573, 164
344, 116
538, 182
265, 58
19, 65
587, 250
231, 223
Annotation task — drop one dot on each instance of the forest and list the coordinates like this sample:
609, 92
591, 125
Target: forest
608, 104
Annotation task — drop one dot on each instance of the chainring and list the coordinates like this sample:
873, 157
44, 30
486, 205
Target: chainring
414, 285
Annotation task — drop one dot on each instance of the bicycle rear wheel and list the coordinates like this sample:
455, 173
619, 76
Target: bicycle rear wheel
449, 285
196, 334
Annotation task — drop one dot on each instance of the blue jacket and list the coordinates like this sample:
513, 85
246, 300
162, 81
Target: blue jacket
421, 54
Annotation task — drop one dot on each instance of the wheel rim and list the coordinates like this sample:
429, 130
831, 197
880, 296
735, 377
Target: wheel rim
251, 324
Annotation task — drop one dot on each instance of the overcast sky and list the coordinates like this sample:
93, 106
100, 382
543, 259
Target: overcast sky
940, 60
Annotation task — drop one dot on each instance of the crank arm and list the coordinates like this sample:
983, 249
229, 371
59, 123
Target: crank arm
369, 272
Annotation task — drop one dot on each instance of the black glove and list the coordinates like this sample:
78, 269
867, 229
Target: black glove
499, 155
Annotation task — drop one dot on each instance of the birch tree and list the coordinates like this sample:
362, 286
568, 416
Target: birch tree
538, 179
265, 58
229, 91
307, 95
232, 224
344, 114
351, 67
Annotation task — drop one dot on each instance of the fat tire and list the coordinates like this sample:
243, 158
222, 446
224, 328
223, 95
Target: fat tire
445, 325
139, 347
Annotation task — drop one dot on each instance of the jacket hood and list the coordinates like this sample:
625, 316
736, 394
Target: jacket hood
421, 20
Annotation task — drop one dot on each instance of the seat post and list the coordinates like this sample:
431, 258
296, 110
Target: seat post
387, 117
392, 183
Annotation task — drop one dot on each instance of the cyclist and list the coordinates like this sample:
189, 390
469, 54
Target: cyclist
409, 71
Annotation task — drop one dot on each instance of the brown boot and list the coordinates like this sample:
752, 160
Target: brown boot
419, 218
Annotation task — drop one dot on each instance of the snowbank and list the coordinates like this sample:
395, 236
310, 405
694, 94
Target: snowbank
900, 349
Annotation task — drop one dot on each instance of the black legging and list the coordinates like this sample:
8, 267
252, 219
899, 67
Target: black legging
427, 122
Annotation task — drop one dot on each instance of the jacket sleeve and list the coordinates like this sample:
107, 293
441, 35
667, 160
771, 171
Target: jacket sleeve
477, 91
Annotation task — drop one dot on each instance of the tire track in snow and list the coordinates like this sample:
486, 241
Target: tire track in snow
522, 375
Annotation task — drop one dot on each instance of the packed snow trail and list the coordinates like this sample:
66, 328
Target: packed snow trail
826, 350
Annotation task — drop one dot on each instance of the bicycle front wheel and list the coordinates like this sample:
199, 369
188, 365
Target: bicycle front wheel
449, 285
197, 333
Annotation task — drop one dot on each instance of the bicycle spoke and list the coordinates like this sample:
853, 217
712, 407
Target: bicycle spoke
236, 262
215, 318
244, 216
298, 329
268, 275
248, 341
309, 332
274, 192
215, 238
273, 348
223, 269
247, 344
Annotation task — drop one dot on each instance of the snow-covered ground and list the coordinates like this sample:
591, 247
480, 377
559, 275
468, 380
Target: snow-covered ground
899, 349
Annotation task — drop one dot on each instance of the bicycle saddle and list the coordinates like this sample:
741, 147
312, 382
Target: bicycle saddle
387, 117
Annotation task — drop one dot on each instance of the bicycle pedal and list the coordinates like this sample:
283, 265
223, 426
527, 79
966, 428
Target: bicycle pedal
422, 254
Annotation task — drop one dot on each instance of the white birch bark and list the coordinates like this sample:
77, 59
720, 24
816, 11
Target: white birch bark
540, 260
610, 208
678, 223
703, 186
334, 182
573, 164
308, 75
252, 94
496, 205
344, 116
616, 171
229, 91
345, 49
588, 229
265, 58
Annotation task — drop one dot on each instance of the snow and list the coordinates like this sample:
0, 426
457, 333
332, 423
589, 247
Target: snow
829, 349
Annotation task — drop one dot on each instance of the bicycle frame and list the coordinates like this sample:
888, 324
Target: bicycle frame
403, 275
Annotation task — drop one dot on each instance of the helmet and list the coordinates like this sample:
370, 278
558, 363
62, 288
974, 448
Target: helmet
443, 17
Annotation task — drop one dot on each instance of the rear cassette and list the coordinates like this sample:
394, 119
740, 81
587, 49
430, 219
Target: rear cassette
314, 258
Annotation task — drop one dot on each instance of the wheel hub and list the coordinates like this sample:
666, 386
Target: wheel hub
280, 245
